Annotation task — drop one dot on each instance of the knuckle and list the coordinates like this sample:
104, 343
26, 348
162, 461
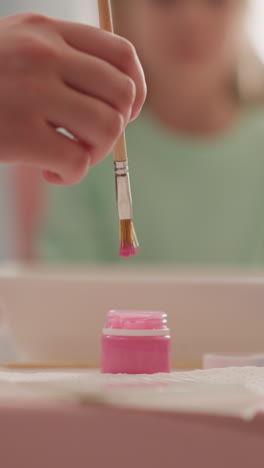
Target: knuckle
34, 50
127, 52
32, 44
46, 52
36, 19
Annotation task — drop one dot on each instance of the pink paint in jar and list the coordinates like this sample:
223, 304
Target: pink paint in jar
135, 342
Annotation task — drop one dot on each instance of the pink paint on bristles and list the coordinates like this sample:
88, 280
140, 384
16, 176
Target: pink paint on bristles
127, 251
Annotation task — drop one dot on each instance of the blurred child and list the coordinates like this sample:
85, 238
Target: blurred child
196, 154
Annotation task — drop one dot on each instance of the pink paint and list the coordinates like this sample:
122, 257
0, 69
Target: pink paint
136, 342
127, 251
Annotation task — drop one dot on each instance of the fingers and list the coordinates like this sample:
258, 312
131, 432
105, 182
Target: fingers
86, 74
110, 48
65, 75
91, 121
65, 157
63, 160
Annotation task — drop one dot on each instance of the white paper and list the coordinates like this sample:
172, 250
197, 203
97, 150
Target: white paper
235, 392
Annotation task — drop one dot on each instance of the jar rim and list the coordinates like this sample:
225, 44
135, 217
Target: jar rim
136, 320
133, 332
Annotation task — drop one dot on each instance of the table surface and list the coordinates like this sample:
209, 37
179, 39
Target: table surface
45, 433
71, 435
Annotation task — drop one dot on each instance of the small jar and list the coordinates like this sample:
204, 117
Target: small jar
136, 343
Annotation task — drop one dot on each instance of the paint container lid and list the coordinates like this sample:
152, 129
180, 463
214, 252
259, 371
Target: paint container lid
136, 320
221, 360
136, 323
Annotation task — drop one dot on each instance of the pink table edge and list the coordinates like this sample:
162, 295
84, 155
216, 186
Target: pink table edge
79, 436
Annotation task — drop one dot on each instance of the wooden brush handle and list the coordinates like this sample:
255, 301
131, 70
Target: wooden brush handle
105, 15
120, 149
106, 23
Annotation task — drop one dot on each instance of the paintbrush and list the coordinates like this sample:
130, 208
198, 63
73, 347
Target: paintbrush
128, 238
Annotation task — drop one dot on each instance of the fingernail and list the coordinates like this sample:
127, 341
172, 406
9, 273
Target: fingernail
134, 115
89, 163
52, 177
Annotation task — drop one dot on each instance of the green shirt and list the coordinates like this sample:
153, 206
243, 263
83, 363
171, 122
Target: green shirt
196, 201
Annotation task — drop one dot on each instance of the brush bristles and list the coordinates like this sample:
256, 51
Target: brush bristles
128, 238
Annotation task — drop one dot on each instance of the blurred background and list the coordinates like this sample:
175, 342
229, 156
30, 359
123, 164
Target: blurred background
196, 154
197, 170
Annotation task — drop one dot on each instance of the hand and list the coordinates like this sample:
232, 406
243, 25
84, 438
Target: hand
56, 74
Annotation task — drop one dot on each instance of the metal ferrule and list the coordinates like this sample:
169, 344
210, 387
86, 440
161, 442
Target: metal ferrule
123, 191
